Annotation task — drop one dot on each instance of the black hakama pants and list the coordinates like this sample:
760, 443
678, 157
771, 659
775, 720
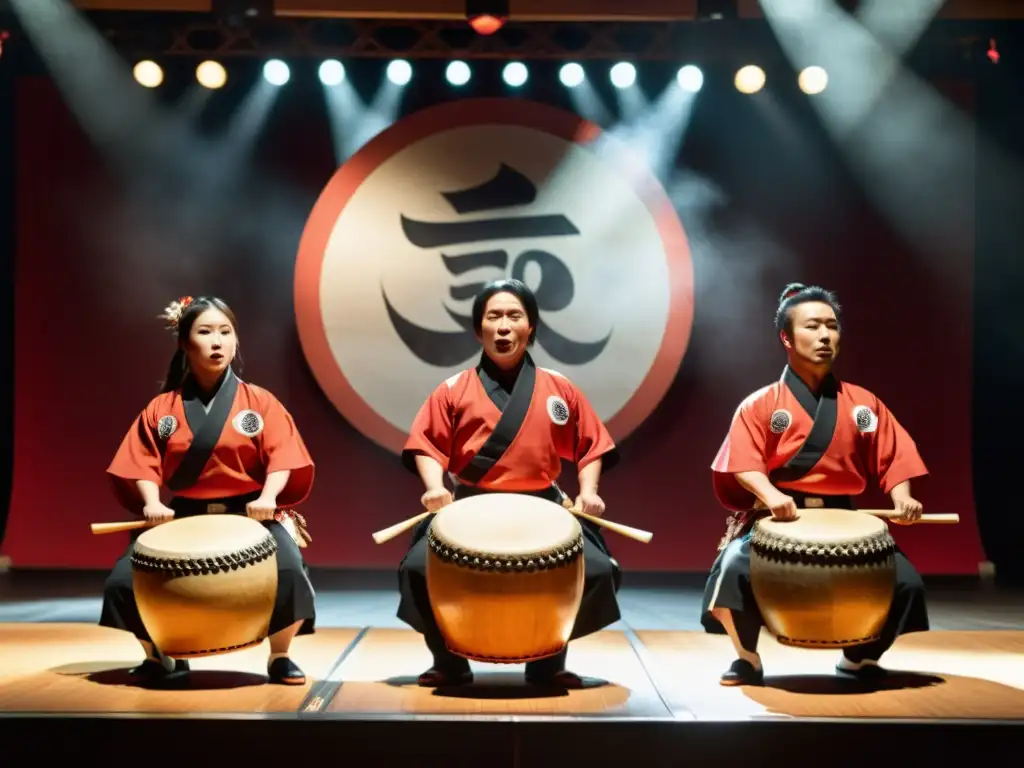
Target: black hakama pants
296, 600
599, 607
728, 586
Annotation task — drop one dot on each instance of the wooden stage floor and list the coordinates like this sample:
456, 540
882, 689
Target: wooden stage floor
71, 678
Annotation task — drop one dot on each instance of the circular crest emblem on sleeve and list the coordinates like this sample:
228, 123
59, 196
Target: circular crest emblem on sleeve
558, 410
166, 427
248, 423
781, 419
865, 419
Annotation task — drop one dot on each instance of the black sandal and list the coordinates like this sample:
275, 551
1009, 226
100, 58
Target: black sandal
742, 672
284, 671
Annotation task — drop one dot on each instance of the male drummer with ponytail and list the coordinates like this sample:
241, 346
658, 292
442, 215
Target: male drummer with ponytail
221, 445
505, 426
808, 440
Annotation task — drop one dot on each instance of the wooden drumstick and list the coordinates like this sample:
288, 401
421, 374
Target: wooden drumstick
127, 525
623, 530
947, 518
398, 528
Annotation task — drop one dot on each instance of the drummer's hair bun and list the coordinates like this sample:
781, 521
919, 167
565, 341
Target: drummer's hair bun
798, 293
791, 290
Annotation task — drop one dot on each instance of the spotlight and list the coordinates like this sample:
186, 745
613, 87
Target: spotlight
148, 74
276, 72
993, 52
332, 72
237, 13
515, 74
623, 75
690, 78
717, 10
399, 72
458, 73
486, 16
486, 25
813, 80
210, 74
750, 79
571, 75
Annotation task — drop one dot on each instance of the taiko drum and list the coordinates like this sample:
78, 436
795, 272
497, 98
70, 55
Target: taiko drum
505, 575
205, 585
825, 580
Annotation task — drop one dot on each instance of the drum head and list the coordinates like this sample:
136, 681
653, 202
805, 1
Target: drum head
201, 536
505, 524
825, 526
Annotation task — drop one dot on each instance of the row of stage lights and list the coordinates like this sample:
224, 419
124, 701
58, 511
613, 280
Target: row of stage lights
748, 79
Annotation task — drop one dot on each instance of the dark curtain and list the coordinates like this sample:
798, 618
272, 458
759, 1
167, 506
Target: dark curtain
8, 218
998, 316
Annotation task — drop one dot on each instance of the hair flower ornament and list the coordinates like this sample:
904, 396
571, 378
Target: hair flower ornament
172, 314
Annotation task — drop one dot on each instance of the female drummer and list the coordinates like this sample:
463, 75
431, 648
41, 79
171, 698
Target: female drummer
218, 444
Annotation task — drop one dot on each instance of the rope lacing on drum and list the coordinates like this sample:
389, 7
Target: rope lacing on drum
872, 548
557, 557
203, 566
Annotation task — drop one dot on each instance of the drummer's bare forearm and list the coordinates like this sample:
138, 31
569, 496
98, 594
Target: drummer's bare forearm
900, 492
431, 472
275, 483
758, 484
590, 476
149, 491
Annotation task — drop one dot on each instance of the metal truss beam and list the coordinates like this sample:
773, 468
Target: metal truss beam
532, 10
190, 36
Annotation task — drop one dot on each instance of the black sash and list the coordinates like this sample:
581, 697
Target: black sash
206, 429
823, 410
514, 408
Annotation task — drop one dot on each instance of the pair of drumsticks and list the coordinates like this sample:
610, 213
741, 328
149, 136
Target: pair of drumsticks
636, 534
389, 533
632, 533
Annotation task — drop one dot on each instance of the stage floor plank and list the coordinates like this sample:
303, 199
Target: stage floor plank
379, 677
83, 668
941, 675
671, 675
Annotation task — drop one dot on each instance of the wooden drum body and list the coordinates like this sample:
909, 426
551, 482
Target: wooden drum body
825, 580
205, 585
505, 575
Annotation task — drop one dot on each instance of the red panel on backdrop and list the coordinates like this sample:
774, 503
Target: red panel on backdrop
94, 270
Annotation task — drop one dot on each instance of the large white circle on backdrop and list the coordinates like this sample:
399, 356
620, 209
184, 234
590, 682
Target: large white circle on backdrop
456, 195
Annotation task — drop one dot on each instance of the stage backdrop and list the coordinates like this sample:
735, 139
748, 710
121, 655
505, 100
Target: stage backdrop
352, 285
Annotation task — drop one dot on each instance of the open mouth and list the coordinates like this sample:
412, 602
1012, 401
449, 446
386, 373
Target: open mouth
503, 345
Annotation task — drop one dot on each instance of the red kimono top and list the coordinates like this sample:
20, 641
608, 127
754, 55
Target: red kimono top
246, 431
512, 442
826, 446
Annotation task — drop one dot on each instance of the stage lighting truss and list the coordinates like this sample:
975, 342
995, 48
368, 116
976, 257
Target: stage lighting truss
362, 38
154, 35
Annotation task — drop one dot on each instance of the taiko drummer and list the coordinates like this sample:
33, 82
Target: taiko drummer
807, 440
218, 444
505, 426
